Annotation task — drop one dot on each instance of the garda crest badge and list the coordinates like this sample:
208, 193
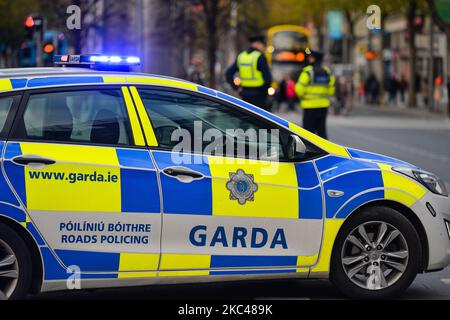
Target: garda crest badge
242, 187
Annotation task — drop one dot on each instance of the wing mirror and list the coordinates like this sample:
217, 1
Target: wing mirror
297, 148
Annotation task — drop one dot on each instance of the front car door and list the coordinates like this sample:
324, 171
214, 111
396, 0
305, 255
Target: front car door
81, 169
227, 209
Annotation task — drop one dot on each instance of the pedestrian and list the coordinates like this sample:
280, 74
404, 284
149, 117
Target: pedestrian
194, 72
314, 88
403, 87
392, 88
254, 73
372, 88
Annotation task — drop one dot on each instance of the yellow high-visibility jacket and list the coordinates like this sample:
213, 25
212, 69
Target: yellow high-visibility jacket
315, 87
247, 63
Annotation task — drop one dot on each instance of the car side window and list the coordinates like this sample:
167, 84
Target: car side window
85, 116
218, 129
5, 107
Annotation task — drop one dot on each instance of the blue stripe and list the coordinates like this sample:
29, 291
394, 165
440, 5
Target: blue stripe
135, 158
6, 195
15, 173
52, 269
253, 108
351, 184
357, 202
359, 154
32, 229
52, 81
211, 92
12, 150
181, 198
306, 175
13, 212
347, 165
310, 203
140, 192
218, 262
90, 261
19, 83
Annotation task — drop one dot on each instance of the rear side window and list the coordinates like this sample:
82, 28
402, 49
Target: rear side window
5, 107
93, 116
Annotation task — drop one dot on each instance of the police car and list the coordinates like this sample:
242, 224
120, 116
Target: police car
95, 192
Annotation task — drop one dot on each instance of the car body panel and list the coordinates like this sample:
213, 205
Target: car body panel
175, 209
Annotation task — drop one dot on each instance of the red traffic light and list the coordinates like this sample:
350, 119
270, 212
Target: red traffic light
29, 22
49, 48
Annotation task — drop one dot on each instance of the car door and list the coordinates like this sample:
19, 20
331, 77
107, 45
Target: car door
77, 160
225, 211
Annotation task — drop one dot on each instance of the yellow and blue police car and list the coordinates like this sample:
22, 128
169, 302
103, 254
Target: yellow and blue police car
95, 193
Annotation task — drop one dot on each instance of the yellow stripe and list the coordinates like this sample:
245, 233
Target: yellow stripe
73, 161
326, 145
332, 227
138, 262
109, 79
135, 125
143, 115
303, 261
184, 262
163, 82
393, 180
276, 197
5, 85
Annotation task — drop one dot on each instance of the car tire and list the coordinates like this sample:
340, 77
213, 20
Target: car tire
378, 279
16, 280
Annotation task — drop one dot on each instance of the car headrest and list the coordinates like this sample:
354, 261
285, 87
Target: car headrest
105, 128
58, 122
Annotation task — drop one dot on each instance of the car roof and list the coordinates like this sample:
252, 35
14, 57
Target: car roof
67, 71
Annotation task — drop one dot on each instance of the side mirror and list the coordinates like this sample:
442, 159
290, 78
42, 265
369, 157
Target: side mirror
297, 148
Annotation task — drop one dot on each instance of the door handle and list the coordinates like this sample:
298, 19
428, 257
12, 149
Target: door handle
183, 174
33, 161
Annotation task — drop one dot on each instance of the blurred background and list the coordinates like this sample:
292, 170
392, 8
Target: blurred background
404, 62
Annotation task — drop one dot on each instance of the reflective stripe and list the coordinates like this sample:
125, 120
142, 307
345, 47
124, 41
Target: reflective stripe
134, 120
331, 229
5, 85
326, 145
143, 115
138, 262
394, 183
163, 82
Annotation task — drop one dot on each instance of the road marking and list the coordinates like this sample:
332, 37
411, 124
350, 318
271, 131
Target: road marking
445, 281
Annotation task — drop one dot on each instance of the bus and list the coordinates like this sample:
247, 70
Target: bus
286, 45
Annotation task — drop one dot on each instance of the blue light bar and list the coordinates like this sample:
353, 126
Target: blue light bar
96, 61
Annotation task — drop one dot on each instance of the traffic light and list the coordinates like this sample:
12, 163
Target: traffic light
48, 51
33, 27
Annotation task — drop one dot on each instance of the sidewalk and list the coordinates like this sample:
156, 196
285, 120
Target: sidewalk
394, 111
387, 117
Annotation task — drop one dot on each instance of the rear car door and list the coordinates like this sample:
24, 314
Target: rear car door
223, 212
77, 160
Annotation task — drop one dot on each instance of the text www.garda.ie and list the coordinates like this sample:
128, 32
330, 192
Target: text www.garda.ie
74, 177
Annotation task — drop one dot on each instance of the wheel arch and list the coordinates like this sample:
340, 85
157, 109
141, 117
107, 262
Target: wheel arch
36, 258
407, 213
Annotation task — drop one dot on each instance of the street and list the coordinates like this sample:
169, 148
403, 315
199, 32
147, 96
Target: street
419, 140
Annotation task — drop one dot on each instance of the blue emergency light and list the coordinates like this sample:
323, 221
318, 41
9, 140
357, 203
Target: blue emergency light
98, 61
